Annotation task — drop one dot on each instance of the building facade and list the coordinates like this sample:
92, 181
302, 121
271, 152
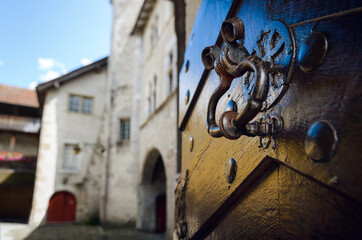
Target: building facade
19, 139
119, 192
143, 79
133, 181
157, 169
71, 156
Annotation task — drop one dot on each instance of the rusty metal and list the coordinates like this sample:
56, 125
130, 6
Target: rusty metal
271, 63
230, 170
312, 51
231, 106
271, 125
321, 141
181, 224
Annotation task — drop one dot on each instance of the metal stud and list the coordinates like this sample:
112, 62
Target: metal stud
187, 97
187, 66
335, 180
230, 170
231, 106
321, 141
191, 143
312, 52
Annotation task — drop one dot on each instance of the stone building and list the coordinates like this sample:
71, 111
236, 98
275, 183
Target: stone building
19, 139
119, 200
157, 168
143, 91
133, 181
148, 41
70, 158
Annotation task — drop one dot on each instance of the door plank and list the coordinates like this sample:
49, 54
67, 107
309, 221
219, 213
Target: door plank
335, 85
293, 12
309, 210
255, 215
211, 196
333, 92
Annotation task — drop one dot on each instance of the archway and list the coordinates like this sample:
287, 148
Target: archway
62, 206
152, 194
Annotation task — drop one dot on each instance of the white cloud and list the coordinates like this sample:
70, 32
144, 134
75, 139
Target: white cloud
49, 76
33, 85
49, 63
85, 61
1, 63
46, 63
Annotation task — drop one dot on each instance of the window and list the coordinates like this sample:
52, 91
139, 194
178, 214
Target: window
149, 99
170, 81
152, 95
71, 161
125, 129
87, 105
154, 31
170, 73
80, 104
154, 92
74, 103
170, 58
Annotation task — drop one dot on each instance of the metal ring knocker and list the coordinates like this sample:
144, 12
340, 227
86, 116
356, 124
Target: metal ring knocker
233, 61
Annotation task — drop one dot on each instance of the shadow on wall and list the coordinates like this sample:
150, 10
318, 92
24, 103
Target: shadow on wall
16, 191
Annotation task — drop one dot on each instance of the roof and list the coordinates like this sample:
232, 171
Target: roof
42, 88
143, 16
18, 96
71, 75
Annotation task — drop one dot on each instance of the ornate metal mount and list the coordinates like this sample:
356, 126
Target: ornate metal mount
267, 73
181, 224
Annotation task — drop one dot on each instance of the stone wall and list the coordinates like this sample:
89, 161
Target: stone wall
119, 202
61, 126
158, 130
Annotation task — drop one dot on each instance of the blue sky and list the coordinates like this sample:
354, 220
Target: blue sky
43, 39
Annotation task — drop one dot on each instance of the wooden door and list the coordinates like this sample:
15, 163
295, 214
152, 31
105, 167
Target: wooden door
161, 213
61, 208
299, 87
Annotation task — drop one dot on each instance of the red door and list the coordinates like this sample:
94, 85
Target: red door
61, 208
161, 213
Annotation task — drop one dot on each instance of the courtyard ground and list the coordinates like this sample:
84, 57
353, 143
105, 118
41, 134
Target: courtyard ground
16, 231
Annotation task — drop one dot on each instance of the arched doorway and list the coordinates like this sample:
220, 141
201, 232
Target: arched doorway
152, 194
61, 208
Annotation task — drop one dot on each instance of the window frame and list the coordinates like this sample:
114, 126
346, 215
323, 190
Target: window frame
71, 96
76, 157
128, 120
81, 104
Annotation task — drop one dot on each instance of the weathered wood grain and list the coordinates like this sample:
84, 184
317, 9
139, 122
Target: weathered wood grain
309, 210
255, 215
293, 12
332, 92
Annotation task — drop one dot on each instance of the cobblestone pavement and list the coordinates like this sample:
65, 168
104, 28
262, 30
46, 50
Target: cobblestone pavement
13, 231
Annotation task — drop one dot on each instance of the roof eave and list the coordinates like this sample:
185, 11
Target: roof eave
71, 75
143, 16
